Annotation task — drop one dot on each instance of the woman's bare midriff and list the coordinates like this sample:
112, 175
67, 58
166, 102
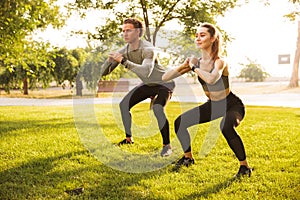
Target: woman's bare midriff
218, 95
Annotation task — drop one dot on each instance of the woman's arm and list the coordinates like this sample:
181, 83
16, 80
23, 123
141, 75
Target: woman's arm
214, 76
174, 73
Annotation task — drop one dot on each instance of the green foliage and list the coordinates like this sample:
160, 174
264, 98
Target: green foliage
64, 62
253, 72
5, 80
96, 57
90, 70
180, 46
18, 52
155, 14
68, 64
294, 12
42, 156
35, 67
19, 20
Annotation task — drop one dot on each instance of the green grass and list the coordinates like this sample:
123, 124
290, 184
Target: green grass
42, 155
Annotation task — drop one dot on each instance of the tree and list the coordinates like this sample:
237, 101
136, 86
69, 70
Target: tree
294, 81
91, 68
155, 14
253, 72
66, 66
34, 71
80, 55
18, 21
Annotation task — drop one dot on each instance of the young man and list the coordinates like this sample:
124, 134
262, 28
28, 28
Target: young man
139, 57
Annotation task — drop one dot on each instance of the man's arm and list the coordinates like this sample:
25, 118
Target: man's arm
143, 70
146, 68
110, 63
108, 66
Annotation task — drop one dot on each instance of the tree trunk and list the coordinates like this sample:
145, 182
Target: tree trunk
146, 19
294, 82
79, 87
25, 86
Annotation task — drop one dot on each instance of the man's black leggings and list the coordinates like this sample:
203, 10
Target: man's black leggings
162, 93
231, 109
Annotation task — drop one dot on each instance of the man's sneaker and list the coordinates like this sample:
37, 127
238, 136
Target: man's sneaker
166, 151
243, 170
125, 141
184, 161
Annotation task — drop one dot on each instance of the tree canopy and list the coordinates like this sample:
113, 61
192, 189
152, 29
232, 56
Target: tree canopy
155, 14
18, 20
20, 55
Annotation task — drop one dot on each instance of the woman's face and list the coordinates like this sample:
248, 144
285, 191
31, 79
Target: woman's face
203, 39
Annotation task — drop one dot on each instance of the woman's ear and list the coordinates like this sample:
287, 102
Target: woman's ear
213, 39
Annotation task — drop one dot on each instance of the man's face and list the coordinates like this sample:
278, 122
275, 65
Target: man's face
130, 34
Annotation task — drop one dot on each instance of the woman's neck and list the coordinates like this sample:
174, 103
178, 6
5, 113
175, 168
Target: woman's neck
206, 56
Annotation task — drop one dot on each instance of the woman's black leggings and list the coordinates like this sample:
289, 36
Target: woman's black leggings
231, 109
162, 94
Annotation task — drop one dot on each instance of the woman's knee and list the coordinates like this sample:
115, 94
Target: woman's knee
227, 126
231, 119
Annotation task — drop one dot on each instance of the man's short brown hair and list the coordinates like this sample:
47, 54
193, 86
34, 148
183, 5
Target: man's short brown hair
136, 24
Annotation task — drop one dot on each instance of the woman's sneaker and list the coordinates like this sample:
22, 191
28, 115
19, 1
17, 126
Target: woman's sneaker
243, 170
166, 151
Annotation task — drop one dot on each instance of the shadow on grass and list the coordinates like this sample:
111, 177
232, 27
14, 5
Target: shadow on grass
50, 177
9, 126
211, 190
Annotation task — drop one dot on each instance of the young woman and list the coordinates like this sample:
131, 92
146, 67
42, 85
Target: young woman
212, 72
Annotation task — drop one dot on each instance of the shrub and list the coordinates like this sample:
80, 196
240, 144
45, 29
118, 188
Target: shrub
253, 72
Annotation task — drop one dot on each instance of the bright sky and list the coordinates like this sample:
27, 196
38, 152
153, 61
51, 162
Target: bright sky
261, 33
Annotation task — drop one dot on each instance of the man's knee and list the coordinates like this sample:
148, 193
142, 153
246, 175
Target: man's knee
124, 105
163, 97
158, 110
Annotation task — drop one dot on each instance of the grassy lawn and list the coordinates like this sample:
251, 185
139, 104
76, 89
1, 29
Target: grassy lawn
43, 154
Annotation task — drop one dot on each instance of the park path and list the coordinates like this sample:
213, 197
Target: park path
270, 93
281, 100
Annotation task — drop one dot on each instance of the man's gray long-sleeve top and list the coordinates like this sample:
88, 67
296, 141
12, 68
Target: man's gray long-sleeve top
141, 61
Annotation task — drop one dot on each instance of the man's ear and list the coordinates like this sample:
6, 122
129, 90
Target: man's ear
140, 32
